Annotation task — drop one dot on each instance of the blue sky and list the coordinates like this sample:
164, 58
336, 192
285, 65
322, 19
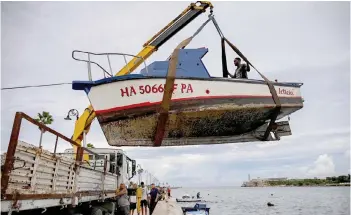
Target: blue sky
305, 42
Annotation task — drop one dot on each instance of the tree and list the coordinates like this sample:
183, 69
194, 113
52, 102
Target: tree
46, 119
89, 145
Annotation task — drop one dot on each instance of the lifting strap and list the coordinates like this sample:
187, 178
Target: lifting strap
167, 94
271, 89
224, 59
171, 74
268, 82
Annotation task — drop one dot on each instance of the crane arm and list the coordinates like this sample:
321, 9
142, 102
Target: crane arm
177, 24
190, 13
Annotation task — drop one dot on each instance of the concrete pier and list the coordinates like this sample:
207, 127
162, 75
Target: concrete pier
167, 207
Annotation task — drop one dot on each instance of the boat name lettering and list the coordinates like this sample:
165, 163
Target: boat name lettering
286, 92
156, 88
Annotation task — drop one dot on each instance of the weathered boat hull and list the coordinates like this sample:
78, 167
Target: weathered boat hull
202, 111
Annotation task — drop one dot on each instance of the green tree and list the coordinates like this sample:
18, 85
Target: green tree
89, 145
46, 119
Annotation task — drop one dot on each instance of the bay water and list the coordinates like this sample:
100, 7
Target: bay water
286, 200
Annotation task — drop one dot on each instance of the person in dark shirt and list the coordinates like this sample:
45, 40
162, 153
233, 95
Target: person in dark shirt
153, 197
241, 69
169, 192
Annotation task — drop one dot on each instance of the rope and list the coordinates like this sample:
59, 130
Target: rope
42, 85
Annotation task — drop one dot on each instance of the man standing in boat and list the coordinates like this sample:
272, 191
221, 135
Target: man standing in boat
241, 69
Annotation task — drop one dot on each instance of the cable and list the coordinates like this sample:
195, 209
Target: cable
42, 85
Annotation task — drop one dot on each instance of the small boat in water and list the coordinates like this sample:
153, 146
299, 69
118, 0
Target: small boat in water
202, 109
198, 209
188, 198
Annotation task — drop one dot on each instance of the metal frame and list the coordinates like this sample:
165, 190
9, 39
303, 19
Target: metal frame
89, 62
9, 166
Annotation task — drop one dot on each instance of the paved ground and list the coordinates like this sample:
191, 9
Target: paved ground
168, 207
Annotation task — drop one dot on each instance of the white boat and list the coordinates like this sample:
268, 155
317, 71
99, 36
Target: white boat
188, 198
203, 109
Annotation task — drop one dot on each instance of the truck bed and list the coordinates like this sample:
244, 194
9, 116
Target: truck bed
32, 177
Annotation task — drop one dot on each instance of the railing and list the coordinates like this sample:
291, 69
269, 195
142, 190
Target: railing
110, 74
14, 139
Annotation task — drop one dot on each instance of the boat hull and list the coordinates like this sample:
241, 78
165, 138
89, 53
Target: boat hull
202, 111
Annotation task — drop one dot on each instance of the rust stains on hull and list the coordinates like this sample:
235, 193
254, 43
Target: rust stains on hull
223, 120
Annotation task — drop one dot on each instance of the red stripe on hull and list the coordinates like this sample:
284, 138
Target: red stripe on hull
147, 104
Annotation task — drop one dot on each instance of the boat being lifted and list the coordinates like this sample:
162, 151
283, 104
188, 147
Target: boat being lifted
177, 102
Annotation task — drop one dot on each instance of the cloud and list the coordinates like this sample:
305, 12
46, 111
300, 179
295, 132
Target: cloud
312, 47
323, 166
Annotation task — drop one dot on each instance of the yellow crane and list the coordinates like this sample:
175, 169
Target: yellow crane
82, 125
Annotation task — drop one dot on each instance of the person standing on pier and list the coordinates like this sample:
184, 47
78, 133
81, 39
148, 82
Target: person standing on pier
133, 198
153, 197
123, 199
144, 197
169, 192
139, 194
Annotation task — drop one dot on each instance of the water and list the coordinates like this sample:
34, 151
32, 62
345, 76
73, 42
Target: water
287, 200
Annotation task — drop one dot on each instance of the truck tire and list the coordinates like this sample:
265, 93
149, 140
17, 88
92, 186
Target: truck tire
96, 211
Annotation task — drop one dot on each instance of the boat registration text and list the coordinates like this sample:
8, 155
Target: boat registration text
156, 88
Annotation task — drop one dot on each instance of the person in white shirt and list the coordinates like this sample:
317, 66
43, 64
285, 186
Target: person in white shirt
144, 198
133, 199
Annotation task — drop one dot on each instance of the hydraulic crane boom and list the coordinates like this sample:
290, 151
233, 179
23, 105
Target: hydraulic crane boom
177, 24
83, 124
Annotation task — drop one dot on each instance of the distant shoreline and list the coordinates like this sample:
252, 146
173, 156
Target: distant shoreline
339, 181
329, 185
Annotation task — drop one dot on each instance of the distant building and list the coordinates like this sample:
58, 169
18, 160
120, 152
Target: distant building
260, 182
